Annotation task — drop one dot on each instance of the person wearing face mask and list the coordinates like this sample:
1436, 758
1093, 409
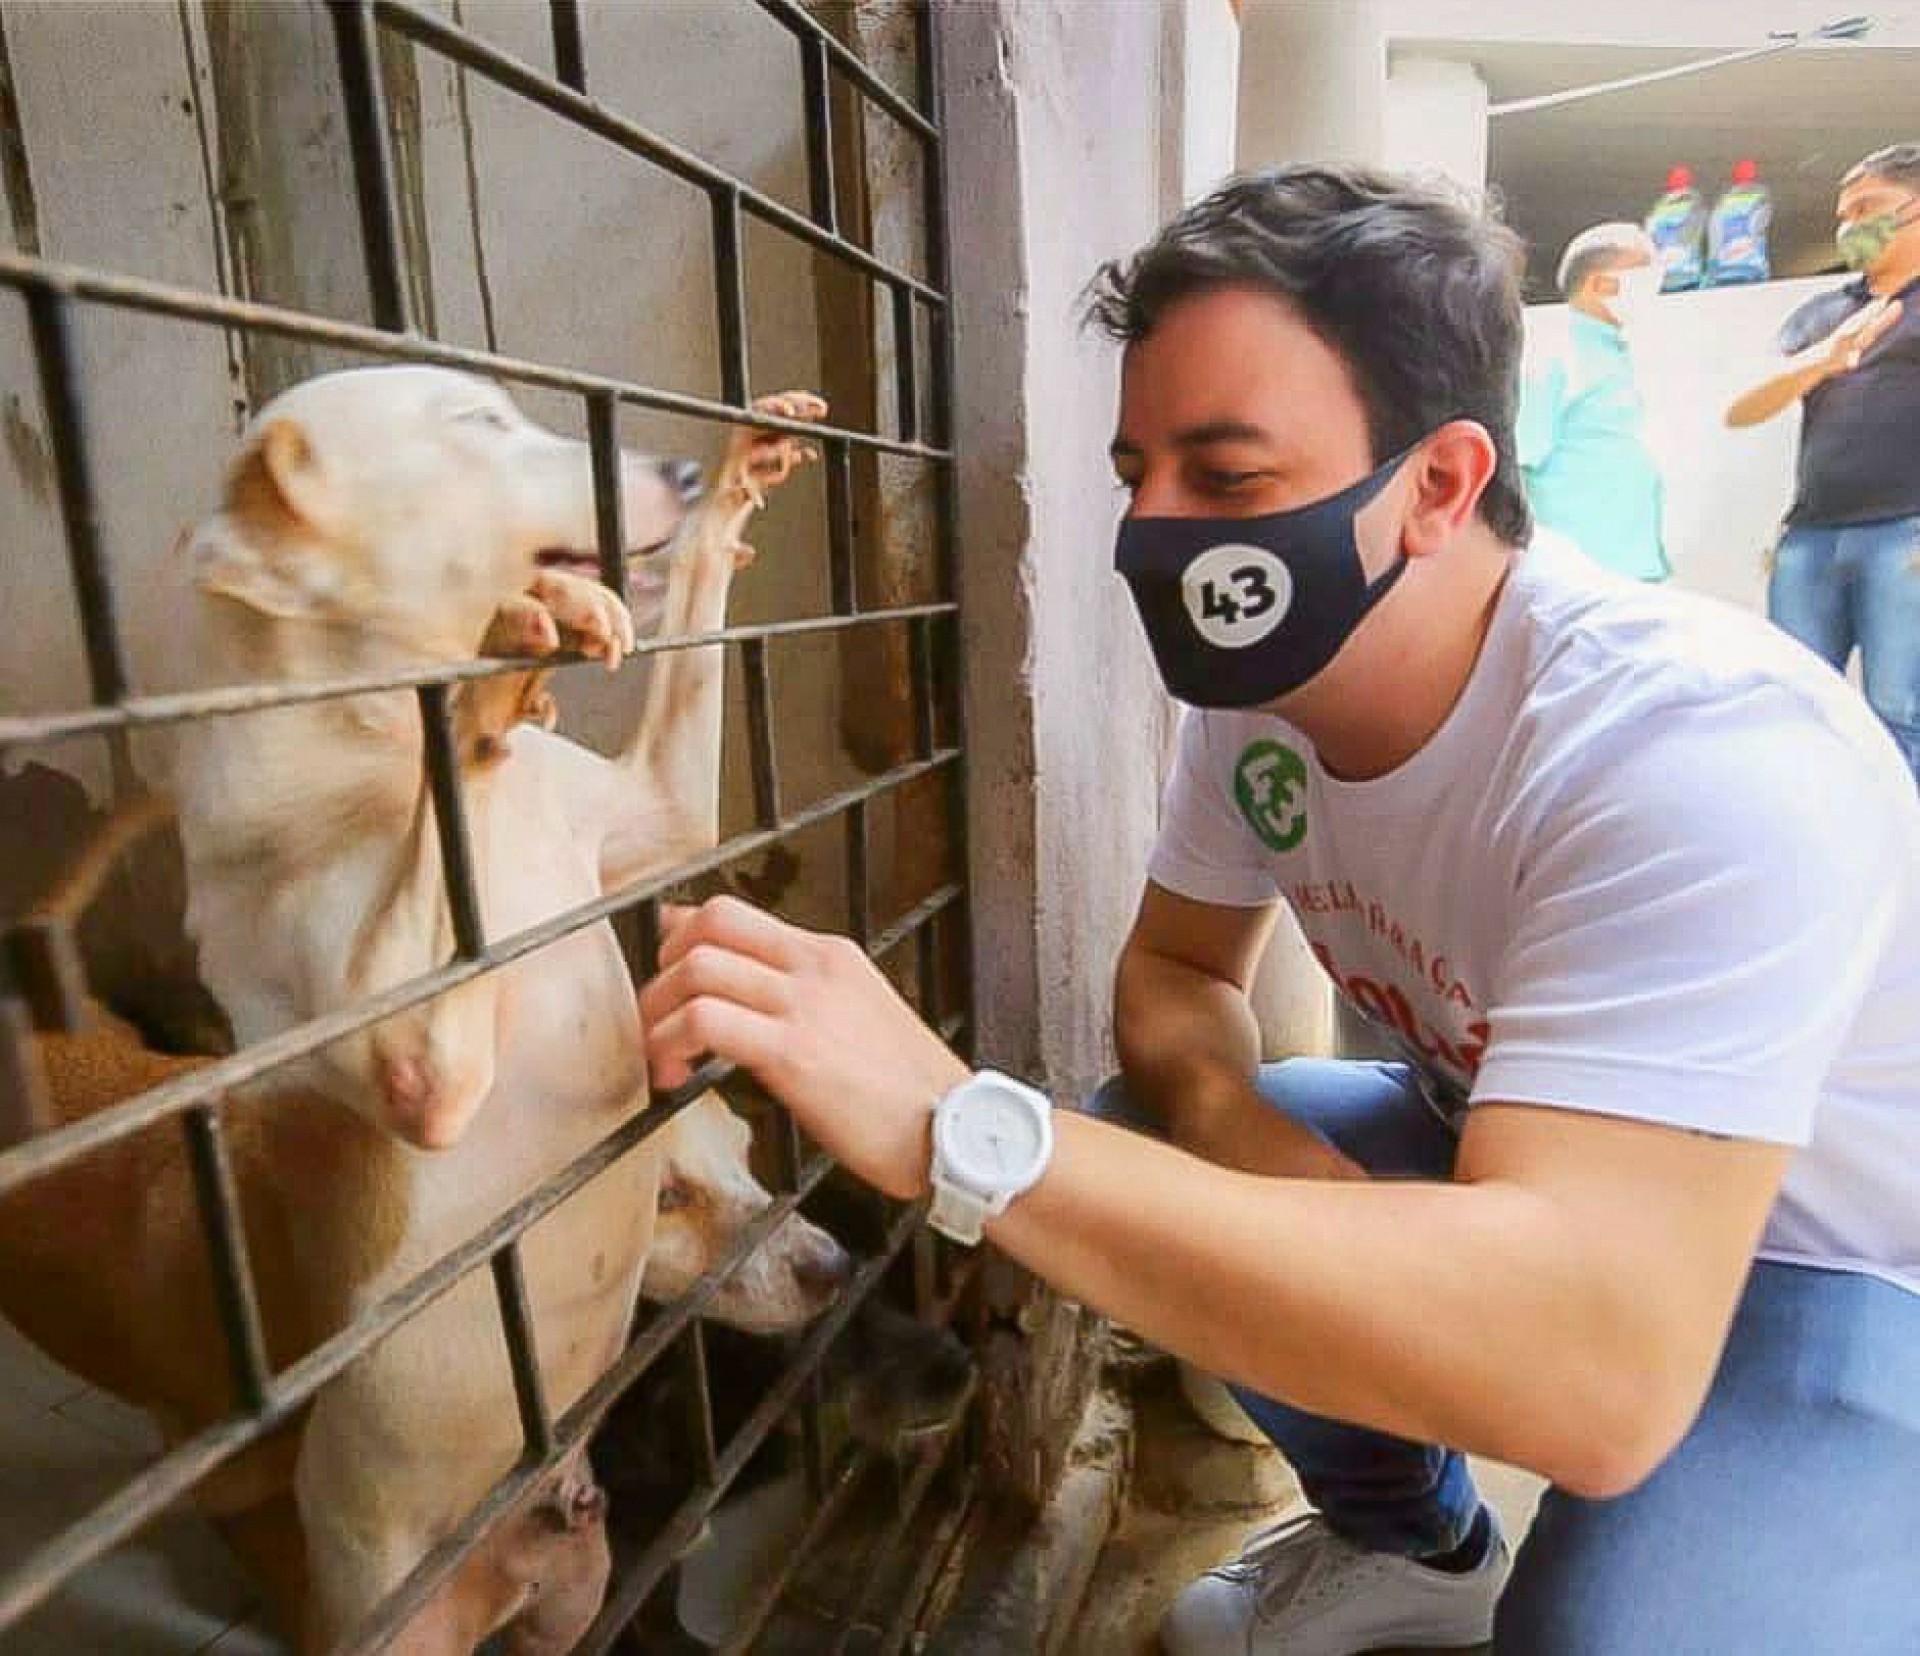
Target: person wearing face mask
1630, 881
1846, 569
1582, 425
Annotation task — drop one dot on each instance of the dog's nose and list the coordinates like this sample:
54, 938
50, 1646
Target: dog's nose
822, 1268
683, 477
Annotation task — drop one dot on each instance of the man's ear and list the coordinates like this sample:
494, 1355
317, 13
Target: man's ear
1450, 474
263, 550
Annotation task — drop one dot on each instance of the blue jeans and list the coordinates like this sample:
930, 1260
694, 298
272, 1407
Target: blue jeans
1859, 584
1787, 1523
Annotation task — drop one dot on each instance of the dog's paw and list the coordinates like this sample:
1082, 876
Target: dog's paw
757, 461
588, 617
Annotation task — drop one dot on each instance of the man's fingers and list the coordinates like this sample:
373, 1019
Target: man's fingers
734, 925
710, 969
708, 1024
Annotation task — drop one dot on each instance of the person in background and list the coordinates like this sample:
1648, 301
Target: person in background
1846, 571
1582, 425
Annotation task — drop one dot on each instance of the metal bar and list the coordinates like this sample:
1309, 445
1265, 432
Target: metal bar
850, 1470
175, 1473
141, 711
603, 447
399, 1606
817, 101
813, 1443
569, 51
233, 1289
807, 27
685, 1524
24, 1107
52, 330
906, 370
523, 1353
215, 310
920, 671
868, 1577
841, 575
143, 1109
914, 920
364, 99
859, 877
933, 1560
700, 1403
766, 776
450, 822
730, 296
505, 70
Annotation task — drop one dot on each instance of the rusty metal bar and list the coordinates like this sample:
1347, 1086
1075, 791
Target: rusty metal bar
49, 320
214, 310
610, 530
424, 28
450, 822
137, 712
26, 1161
766, 775
222, 1225
365, 102
807, 27
523, 1352
569, 51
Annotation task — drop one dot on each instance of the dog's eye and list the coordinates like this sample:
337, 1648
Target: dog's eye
492, 418
674, 1196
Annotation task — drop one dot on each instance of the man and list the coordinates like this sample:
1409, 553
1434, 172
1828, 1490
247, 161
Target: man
1582, 427
1635, 882
1847, 569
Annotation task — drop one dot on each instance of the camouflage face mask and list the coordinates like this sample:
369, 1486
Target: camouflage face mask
1863, 242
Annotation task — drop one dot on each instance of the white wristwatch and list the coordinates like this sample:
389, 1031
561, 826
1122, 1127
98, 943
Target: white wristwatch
992, 1140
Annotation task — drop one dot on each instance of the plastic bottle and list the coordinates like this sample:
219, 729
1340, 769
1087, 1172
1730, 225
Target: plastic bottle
1678, 226
1737, 230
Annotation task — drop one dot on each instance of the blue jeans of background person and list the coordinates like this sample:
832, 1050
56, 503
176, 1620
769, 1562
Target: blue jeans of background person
1859, 584
1786, 1523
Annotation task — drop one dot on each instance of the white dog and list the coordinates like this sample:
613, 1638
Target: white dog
388, 519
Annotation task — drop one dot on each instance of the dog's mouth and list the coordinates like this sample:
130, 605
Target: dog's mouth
585, 562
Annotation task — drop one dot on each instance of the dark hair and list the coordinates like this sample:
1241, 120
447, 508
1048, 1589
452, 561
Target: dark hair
1417, 289
1897, 164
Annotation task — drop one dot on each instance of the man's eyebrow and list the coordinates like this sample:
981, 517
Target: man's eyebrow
1199, 436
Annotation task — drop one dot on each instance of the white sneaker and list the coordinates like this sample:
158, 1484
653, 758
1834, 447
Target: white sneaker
1298, 1589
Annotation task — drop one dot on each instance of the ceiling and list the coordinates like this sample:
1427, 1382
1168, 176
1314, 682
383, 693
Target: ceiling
1805, 116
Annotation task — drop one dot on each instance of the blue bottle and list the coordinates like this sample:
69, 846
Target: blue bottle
1737, 229
1678, 226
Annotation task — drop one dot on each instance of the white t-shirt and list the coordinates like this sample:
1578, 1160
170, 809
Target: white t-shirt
1658, 862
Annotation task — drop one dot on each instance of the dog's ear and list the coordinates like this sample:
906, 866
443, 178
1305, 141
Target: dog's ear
281, 473
264, 549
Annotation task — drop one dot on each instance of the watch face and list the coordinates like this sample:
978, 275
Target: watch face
993, 1139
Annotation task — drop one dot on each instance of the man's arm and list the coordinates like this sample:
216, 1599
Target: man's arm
1188, 1042
1561, 1306
1818, 363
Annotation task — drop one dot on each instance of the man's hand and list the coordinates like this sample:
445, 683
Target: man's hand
1851, 341
815, 1022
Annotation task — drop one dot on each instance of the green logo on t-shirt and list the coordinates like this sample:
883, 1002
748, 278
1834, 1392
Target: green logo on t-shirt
1270, 781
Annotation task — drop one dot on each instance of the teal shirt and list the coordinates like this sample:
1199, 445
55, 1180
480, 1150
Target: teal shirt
1583, 451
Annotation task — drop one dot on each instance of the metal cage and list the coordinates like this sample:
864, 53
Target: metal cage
40, 966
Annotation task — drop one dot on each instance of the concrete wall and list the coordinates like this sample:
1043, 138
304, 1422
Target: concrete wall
1726, 490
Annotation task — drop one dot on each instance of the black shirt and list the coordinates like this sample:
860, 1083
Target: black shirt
1860, 440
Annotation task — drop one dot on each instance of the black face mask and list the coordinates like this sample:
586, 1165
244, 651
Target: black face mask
1242, 610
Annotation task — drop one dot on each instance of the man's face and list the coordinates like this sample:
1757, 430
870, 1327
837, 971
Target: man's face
1869, 197
1604, 285
1233, 407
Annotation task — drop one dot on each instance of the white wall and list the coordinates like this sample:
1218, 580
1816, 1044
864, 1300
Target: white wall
1726, 490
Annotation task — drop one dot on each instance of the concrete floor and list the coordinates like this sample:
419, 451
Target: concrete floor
1195, 1498
171, 1591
